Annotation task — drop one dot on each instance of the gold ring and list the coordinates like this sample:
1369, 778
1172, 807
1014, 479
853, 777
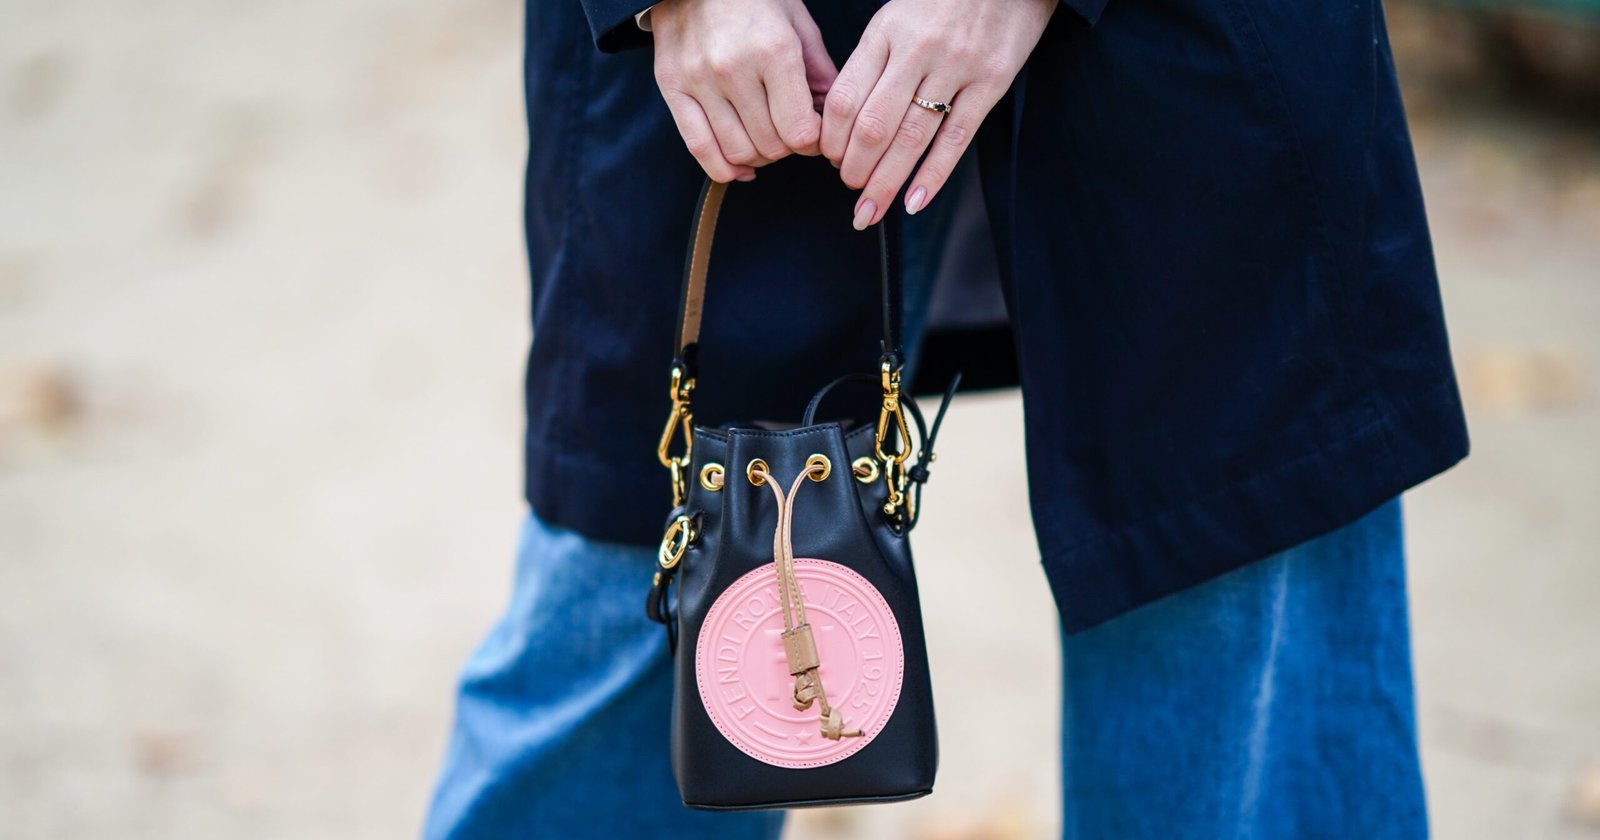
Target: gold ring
936, 107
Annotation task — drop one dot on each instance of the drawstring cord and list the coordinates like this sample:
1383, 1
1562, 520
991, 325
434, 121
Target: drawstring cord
799, 646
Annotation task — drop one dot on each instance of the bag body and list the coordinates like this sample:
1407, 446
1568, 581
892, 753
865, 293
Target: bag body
801, 671
737, 739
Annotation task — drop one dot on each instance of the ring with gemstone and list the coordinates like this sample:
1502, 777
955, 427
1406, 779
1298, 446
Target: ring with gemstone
936, 107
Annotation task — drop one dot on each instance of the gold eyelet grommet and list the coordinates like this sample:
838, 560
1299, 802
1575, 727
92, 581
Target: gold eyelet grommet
711, 476
750, 471
811, 464
865, 469
675, 541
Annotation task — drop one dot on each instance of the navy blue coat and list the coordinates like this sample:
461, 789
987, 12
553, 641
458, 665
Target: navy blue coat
1213, 249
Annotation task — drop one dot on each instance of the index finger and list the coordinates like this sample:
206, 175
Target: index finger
701, 140
790, 104
849, 93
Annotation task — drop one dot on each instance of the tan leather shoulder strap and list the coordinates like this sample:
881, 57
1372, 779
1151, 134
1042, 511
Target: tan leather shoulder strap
694, 273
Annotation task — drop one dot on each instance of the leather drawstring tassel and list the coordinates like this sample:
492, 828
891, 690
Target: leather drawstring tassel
799, 646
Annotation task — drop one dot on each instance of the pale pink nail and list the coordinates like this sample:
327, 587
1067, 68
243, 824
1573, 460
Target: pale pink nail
864, 213
915, 199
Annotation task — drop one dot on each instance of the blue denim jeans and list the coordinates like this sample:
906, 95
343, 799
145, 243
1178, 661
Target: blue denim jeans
1275, 701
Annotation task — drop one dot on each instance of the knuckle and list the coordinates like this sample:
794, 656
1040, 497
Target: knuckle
928, 43
914, 133
841, 102
956, 134
743, 156
772, 149
700, 148
769, 51
872, 128
994, 66
962, 52
723, 66
693, 76
804, 133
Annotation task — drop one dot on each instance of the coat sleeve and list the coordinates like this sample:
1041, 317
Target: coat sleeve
615, 29
612, 25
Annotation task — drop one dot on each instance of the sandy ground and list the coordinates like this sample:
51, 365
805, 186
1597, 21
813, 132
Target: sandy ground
261, 331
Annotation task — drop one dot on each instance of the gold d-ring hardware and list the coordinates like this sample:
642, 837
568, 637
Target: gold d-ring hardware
750, 471
864, 469
682, 419
827, 467
894, 473
711, 476
675, 541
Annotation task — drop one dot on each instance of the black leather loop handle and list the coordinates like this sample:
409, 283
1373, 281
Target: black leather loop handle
691, 303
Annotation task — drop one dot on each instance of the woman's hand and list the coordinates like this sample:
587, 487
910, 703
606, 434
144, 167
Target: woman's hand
963, 52
744, 79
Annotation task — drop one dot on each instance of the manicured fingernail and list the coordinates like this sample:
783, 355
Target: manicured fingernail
864, 213
746, 177
915, 199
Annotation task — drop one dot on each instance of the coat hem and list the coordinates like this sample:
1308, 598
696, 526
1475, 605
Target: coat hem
1260, 516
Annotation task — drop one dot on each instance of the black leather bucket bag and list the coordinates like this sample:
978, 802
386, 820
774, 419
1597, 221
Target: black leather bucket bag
801, 672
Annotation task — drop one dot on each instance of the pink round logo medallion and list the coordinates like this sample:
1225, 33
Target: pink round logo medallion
744, 678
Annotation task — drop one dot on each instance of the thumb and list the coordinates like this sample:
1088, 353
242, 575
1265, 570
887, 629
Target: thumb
820, 69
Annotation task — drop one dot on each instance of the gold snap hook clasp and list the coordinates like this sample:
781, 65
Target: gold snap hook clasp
894, 472
680, 420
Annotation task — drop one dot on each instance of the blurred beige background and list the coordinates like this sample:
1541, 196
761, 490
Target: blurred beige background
261, 333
